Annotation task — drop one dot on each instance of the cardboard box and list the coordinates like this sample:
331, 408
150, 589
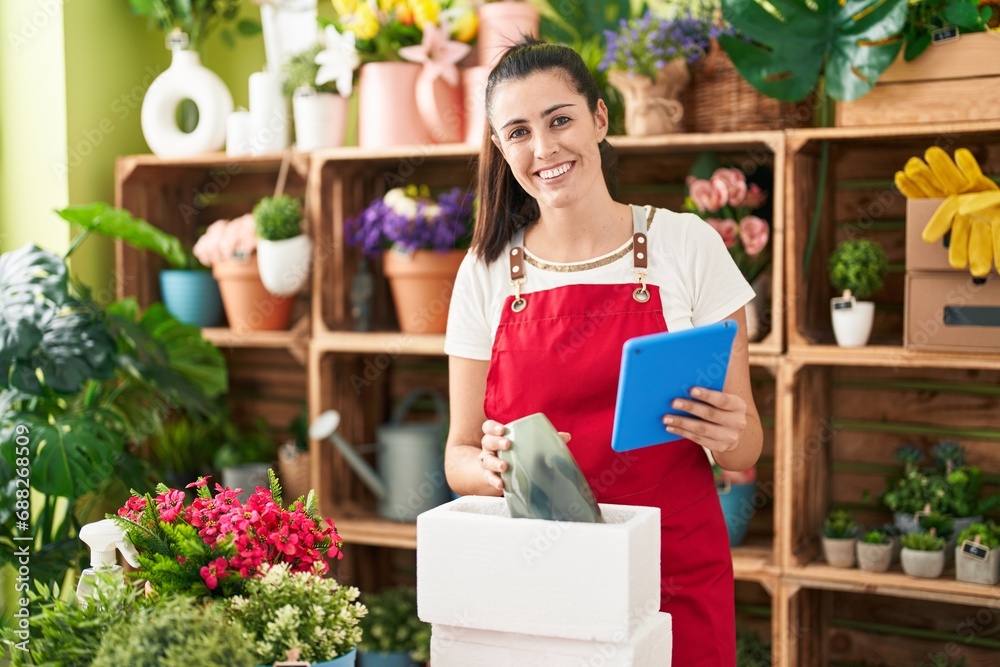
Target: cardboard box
920, 255
478, 568
453, 646
948, 312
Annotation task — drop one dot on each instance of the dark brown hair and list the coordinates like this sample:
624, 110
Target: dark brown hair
504, 206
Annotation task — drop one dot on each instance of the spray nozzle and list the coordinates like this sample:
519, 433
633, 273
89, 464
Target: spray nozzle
103, 537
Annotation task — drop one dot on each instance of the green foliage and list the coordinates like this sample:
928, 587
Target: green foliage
285, 610
840, 524
751, 650
949, 486
926, 16
941, 525
176, 632
392, 624
793, 43
301, 70
116, 223
859, 266
66, 634
875, 537
196, 18
278, 218
252, 446
989, 536
922, 542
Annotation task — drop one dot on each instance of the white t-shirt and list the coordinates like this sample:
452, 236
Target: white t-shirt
698, 280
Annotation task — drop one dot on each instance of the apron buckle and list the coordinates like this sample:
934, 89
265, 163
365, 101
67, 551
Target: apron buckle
641, 294
519, 303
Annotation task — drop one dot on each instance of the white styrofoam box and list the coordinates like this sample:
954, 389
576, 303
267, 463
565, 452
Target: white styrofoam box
479, 568
650, 646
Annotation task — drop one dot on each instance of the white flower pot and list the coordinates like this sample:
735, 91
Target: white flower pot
852, 326
284, 265
875, 557
976, 571
320, 119
839, 552
925, 564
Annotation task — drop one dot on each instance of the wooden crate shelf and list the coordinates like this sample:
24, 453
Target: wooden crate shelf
894, 356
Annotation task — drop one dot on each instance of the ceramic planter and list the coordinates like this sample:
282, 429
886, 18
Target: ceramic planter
421, 286
905, 522
501, 25
387, 106
738, 509
284, 265
975, 570
249, 306
651, 106
875, 557
247, 476
349, 659
191, 296
320, 119
925, 564
839, 552
852, 327
392, 659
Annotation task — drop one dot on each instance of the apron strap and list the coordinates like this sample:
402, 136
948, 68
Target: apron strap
640, 251
517, 277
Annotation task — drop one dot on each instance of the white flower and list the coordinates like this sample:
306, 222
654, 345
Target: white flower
338, 61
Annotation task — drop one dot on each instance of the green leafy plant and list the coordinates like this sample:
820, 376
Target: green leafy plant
177, 631
840, 524
751, 650
858, 266
278, 218
924, 17
196, 18
392, 626
875, 537
941, 525
300, 71
948, 486
922, 542
284, 610
989, 536
784, 47
255, 445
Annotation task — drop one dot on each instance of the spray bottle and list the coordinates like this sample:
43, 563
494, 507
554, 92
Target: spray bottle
103, 537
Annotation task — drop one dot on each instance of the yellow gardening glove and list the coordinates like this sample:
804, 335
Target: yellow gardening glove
974, 221
941, 176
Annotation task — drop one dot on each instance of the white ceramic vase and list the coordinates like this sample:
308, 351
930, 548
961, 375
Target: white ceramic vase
852, 326
874, 557
924, 564
839, 552
320, 119
284, 265
186, 78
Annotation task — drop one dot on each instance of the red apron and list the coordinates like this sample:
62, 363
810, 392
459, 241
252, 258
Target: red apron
560, 355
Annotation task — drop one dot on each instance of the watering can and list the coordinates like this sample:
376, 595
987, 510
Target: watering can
409, 458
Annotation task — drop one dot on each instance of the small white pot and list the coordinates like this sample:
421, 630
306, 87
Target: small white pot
852, 326
925, 564
875, 557
839, 552
320, 119
976, 571
284, 265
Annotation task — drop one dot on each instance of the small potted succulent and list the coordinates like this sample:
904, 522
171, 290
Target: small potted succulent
943, 527
976, 558
875, 551
857, 270
840, 534
284, 252
393, 636
923, 555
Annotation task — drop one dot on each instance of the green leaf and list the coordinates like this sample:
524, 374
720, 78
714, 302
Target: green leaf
143, 7
227, 38
916, 46
793, 43
962, 14
72, 454
119, 224
33, 283
248, 28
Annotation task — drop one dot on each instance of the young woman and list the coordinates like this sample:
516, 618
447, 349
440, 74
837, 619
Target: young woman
542, 305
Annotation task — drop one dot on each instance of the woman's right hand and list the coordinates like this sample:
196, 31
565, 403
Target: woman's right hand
489, 459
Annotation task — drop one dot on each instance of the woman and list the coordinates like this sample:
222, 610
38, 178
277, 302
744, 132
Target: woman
543, 304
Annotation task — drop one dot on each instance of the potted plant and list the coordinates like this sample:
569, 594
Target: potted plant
736, 492
420, 241
230, 247
874, 551
923, 555
976, 560
647, 60
751, 650
504, 23
284, 252
245, 457
285, 609
840, 534
942, 526
392, 635
188, 289
857, 270
294, 460
319, 81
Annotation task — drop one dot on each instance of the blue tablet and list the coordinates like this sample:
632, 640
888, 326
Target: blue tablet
659, 368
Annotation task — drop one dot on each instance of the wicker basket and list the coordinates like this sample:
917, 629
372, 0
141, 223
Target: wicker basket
720, 100
293, 471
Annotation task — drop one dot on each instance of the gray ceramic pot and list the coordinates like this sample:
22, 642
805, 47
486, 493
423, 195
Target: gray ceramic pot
976, 571
874, 557
925, 564
839, 552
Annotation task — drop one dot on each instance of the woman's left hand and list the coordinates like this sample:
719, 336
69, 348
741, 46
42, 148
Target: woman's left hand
718, 419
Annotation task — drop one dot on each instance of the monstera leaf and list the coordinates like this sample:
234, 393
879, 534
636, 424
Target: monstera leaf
793, 42
117, 223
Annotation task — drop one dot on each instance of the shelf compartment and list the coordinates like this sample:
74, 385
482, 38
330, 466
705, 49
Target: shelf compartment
859, 201
888, 356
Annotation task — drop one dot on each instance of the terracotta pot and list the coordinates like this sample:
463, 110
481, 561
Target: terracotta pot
248, 304
421, 287
652, 107
474, 90
839, 552
387, 106
501, 25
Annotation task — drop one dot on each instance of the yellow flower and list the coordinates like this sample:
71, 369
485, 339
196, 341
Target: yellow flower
363, 23
387, 6
466, 27
404, 14
345, 7
425, 11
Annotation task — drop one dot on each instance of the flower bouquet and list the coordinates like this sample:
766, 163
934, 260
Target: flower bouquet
421, 241
214, 545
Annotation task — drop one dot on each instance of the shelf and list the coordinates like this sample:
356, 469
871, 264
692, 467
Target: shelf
798, 137
893, 583
223, 337
887, 356
754, 562
378, 532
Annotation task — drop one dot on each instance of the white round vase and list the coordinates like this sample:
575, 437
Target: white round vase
284, 265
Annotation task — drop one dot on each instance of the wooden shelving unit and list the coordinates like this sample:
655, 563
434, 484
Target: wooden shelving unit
832, 415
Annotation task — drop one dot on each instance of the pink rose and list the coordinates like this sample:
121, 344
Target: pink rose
726, 229
708, 196
755, 197
733, 182
754, 233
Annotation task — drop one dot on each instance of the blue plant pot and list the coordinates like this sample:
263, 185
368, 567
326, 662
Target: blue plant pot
738, 509
192, 296
346, 660
395, 659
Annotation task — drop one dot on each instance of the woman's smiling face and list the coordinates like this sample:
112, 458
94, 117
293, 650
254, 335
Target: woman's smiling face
549, 137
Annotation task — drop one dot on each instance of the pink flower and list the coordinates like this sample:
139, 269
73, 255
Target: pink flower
133, 509
734, 182
202, 481
708, 196
726, 229
170, 505
214, 571
227, 239
755, 197
754, 233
